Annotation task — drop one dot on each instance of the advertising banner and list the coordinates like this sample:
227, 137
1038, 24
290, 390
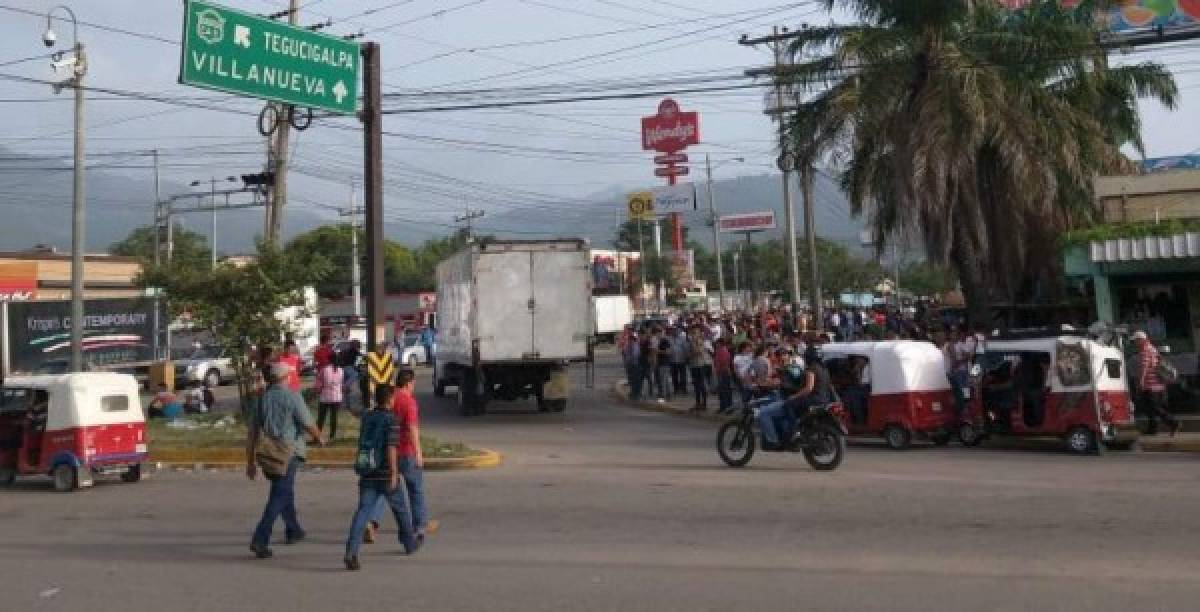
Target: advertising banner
671, 130
18, 281
748, 222
1132, 16
645, 205
117, 331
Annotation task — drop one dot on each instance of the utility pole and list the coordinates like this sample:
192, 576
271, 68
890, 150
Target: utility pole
157, 213
712, 213
372, 119
786, 163
212, 181
355, 264
469, 218
280, 159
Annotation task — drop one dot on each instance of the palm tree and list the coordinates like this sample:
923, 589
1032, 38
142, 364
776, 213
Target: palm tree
972, 128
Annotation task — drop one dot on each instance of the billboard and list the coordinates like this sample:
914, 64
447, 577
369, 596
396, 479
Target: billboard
748, 222
116, 331
647, 204
1133, 16
18, 281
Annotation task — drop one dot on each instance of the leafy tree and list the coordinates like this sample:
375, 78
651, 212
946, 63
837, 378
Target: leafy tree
975, 130
925, 278
332, 244
238, 303
190, 248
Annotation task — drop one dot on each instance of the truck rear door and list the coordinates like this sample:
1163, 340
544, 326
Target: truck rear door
561, 304
502, 313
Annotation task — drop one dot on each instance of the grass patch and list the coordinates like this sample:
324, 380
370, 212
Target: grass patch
225, 431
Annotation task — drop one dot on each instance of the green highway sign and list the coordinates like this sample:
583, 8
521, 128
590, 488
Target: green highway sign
242, 53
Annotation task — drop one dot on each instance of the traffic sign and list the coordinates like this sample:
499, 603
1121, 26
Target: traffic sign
241, 53
671, 171
641, 206
672, 158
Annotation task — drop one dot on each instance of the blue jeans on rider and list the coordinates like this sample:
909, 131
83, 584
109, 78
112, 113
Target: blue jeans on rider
773, 417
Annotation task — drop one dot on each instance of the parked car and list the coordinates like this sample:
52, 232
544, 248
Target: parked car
208, 364
414, 353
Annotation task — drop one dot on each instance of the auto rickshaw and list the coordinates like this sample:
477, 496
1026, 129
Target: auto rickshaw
71, 427
897, 390
1057, 385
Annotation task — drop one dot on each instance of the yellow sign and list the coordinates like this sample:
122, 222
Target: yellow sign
641, 206
381, 369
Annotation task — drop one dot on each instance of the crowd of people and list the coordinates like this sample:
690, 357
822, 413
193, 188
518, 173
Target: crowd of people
743, 355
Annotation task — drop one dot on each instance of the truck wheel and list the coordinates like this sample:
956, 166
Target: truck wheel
133, 474
470, 403
66, 478
439, 390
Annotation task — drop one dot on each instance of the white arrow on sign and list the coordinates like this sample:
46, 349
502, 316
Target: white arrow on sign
339, 91
241, 36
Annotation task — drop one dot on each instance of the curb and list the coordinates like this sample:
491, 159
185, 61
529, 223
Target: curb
1169, 446
620, 389
235, 458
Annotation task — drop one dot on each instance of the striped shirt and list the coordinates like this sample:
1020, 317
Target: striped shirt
1148, 376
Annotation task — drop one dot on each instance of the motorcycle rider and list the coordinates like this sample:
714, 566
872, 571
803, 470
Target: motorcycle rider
815, 390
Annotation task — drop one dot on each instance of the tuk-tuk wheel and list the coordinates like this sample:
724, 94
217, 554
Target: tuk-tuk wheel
66, 478
7, 476
897, 437
1081, 440
968, 434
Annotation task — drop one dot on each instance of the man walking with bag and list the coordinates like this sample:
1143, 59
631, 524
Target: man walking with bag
1151, 388
275, 443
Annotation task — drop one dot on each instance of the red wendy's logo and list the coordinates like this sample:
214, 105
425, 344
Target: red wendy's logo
671, 130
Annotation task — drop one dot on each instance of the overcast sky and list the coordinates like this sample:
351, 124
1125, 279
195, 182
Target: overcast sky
563, 151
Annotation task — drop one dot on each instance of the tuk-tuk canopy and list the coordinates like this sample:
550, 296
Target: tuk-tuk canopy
897, 366
85, 399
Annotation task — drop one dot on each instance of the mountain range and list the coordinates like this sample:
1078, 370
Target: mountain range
36, 194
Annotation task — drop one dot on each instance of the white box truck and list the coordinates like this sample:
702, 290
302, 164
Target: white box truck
512, 315
613, 313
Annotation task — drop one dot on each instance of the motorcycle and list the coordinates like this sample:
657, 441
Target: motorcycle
820, 434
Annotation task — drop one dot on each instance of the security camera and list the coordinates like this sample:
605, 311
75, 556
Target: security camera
49, 38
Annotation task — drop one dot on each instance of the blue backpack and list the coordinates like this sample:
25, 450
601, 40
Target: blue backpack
371, 458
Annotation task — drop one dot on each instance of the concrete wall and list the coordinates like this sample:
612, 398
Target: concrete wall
1162, 196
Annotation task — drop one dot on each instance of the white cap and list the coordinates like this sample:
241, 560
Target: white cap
1140, 335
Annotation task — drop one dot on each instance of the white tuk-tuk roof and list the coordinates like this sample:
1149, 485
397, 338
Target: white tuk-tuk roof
78, 399
897, 366
1100, 354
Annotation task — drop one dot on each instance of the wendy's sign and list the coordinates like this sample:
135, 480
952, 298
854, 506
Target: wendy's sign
671, 130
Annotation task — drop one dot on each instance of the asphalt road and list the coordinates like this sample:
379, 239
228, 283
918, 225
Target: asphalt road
609, 508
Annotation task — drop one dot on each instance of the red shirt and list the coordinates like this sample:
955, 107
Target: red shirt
723, 361
323, 355
404, 406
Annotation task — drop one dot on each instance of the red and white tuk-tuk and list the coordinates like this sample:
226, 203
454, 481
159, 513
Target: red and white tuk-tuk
895, 389
71, 427
1059, 385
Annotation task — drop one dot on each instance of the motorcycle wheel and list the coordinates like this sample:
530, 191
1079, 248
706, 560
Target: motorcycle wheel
826, 449
735, 443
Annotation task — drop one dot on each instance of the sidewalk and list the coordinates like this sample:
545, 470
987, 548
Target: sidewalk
1188, 441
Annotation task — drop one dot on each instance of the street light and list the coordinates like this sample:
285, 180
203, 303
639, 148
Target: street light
213, 190
78, 67
712, 212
